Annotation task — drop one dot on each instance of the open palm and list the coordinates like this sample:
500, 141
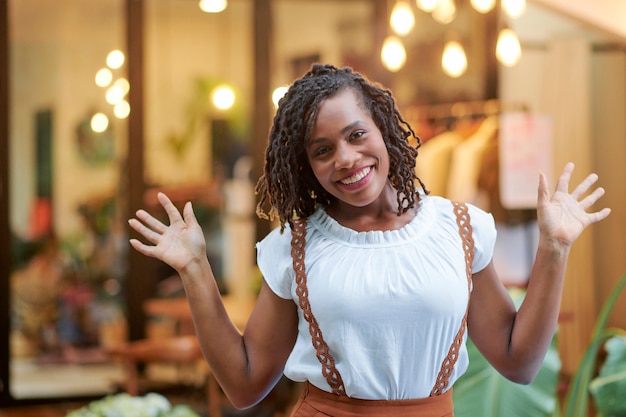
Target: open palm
178, 244
563, 215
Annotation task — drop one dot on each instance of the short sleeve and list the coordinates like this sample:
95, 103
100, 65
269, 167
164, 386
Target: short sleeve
274, 262
484, 233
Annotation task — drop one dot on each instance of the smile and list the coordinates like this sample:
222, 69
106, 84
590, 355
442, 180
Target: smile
356, 177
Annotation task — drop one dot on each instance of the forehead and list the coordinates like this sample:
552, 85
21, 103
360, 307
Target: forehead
345, 101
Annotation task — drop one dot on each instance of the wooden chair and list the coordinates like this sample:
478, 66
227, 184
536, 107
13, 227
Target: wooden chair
178, 350
181, 348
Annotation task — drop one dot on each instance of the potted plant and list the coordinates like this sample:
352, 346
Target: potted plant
125, 405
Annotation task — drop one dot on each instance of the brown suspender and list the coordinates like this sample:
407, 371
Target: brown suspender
330, 372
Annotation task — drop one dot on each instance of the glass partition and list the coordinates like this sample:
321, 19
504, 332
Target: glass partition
67, 142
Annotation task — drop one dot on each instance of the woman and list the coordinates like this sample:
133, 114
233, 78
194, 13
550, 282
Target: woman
371, 296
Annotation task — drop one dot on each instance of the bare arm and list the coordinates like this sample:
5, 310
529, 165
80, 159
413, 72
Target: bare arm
515, 342
246, 366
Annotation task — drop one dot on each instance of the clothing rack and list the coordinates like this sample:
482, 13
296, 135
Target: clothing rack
462, 109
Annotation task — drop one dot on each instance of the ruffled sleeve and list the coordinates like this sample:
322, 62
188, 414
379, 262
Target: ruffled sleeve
484, 232
274, 262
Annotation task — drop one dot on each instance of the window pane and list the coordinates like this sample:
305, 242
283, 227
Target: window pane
67, 147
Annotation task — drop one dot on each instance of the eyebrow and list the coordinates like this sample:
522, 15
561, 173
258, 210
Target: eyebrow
342, 131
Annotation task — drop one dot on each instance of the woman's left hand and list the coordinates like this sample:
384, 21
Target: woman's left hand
563, 216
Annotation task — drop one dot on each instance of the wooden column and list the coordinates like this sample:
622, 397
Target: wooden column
608, 106
136, 292
261, 118
567, 95
5, 250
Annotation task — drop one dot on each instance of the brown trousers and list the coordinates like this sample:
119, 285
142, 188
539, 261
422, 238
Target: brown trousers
315, 402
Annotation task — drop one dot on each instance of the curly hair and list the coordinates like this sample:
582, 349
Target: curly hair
288, 185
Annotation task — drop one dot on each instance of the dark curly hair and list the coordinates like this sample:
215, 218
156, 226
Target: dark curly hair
288, 185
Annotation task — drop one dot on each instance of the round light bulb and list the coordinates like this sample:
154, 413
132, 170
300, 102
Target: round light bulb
427, 5
115, 59
454, 60
213, 6
278, 93
223, 97
393, 54
508, 48
514, 8
483, 6
402, 19
104, 76
99, 122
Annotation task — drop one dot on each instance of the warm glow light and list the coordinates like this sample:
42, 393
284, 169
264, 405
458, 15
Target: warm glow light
483, 6
121, 109
122, 84
393, 54
223, 97
213, 6
278, 93
114, 94
427, 5
402, 19
514, 8
103, 77
115, 59
453, 60
99, 122
445, 11
508, 49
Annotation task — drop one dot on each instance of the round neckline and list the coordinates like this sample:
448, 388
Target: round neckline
334, 230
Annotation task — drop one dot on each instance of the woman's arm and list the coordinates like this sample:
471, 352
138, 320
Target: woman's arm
515, 342
248, 365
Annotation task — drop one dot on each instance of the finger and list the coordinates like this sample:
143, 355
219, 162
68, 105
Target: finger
563, 183
152, 222
142, 248
172, 212
543, 196
189, 215
591, 199
150, 235
584, 186
599, 215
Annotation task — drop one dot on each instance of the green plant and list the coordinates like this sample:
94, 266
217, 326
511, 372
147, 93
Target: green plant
577, 397
483, 391
609, 386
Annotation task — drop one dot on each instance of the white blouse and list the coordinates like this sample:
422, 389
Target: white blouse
388, 303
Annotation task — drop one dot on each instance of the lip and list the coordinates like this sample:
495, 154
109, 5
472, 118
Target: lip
361, 181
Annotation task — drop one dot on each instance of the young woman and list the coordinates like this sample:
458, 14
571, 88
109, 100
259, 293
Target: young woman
370, 295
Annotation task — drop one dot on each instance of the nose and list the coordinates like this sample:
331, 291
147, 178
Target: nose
345, 156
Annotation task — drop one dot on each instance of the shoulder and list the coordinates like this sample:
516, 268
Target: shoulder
483, 228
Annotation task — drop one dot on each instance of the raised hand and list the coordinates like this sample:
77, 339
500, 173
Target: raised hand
179, 244
563, 216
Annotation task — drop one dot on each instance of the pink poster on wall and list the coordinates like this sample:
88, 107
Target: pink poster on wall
525, 149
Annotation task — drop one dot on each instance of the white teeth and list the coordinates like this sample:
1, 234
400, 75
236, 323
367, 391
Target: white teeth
356, 177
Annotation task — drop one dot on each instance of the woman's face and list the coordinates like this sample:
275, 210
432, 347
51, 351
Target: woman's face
346, 151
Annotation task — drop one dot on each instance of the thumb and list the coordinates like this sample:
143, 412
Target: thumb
543, 196
189, 216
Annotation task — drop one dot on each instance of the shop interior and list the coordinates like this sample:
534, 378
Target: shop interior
103, 103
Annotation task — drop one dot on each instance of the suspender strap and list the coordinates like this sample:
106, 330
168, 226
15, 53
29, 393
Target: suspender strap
329, 371
298, 242
465, 231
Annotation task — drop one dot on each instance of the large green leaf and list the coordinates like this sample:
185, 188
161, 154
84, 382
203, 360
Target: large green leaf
609, 387
577, 398
483, 392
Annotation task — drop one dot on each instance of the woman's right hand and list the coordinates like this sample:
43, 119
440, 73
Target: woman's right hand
180, 245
